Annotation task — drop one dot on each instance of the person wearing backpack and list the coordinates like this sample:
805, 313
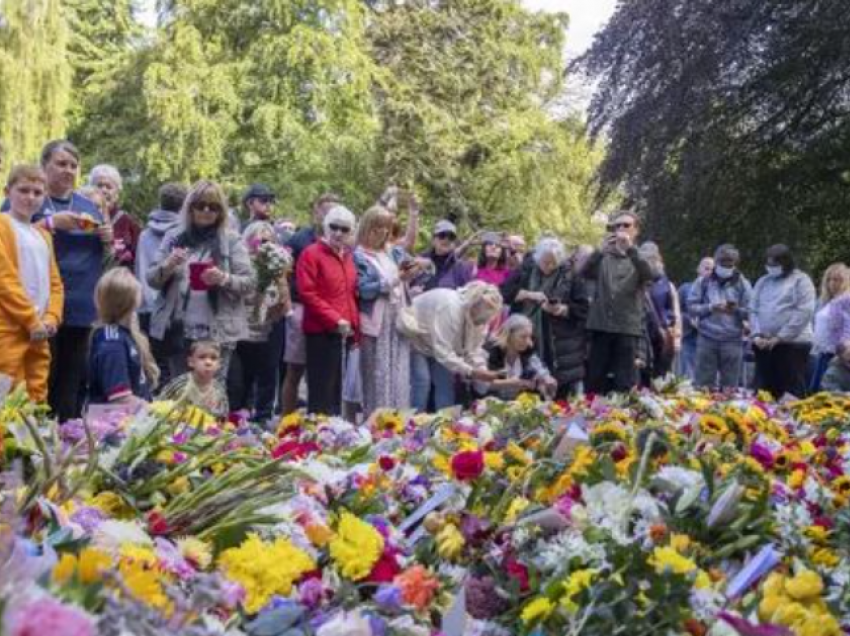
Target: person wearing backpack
720, 304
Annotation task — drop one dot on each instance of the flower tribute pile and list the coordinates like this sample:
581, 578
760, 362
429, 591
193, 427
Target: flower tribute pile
668, 513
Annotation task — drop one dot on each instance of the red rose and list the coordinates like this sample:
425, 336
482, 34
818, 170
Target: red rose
386, 463
386, 569
157, 524
468, 465
292, 449
518, 572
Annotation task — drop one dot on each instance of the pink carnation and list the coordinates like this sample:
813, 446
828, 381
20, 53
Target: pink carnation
49, 616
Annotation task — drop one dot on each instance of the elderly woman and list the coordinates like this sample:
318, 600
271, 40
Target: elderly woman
125, 228
782, 312
448, 341
512, 355
547, 291
253, 379
382, 272
327, 285
203, 274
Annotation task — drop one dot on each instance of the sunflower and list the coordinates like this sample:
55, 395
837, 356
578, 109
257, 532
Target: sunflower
713, 425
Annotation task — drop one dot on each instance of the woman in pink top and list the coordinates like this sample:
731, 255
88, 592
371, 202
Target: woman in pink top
492, 261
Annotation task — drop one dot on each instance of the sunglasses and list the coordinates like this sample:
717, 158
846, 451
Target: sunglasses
207, 207
264, 199
620, 226
445, 236
342, 229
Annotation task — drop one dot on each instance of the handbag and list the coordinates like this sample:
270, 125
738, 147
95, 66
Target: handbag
406, 322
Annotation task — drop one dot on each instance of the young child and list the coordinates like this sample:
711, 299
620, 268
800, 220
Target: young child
200, 387
31, 292
122, 369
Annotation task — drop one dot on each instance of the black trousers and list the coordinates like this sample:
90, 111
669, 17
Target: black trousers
69, 351
783, 369
253, 380
324, 373
611, 366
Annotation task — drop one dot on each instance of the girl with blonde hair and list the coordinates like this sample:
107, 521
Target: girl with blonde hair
832, 320
122, 369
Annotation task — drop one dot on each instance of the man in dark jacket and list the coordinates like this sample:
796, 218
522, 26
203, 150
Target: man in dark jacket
616, 318
449, 271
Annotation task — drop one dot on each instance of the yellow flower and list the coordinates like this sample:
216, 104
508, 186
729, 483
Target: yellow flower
713, 425
515, 473
789, 613
518, 505
797, 479
703, 580
517, 454
138, 554
680, 542
113, 505
818, 534
668, 560
293, 420
441, 463
144, 584
579, 581
494, 461
64, 570
583, 459
539, 609
265, 569
319, 534
195, 551
450, 542
806, 585
356, 547
824, 557
91, 565
819, 625
179, 486
608, 432
769, 605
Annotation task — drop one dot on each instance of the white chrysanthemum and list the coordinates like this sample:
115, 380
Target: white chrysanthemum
610, 506
111, 535
346, 624
674, 479
553, 556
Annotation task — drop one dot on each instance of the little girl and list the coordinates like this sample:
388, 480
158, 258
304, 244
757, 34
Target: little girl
201, 387
122, 369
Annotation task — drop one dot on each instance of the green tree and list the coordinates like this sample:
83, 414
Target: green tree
35, 75
729, 121
467, 112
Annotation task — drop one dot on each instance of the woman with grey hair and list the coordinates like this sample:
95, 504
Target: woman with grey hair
327, 285
125, 228
664, 317
547, 291
204, 275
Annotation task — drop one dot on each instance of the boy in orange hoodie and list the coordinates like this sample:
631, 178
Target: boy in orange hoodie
31, 292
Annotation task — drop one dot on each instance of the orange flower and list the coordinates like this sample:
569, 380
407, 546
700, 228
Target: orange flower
417, 587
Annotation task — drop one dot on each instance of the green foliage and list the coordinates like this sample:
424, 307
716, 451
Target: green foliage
728, 121
35, 76
457, 100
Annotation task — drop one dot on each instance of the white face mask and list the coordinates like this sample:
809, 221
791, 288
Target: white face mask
774, 270
724, 272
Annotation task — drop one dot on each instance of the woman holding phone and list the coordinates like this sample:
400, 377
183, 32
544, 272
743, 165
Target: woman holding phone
203, 274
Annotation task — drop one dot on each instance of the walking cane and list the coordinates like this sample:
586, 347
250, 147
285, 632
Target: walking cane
344, 372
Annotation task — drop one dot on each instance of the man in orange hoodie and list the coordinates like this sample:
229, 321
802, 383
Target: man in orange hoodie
31, 292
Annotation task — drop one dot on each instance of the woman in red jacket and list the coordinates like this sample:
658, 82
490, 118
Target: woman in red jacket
327, 285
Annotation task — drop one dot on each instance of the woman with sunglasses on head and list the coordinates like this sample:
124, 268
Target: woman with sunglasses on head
327, 286
203, 274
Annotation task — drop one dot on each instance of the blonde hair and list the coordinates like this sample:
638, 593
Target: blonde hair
254, 229
209, 192
836, 269
117, 298
478, 293
514, 323
26, 172
373, 219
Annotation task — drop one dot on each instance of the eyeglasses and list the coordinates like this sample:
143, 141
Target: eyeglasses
342, 229
207, 207
445, 236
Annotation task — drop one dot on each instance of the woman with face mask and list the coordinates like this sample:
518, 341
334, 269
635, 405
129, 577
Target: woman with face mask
783, 308
719, 304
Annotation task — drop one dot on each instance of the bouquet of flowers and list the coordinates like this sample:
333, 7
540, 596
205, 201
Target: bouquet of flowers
271, 262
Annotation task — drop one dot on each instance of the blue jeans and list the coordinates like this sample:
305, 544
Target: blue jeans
425, 373
688, 358
716, 358
821, 364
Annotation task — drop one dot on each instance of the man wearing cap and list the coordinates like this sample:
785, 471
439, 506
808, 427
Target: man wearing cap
447, 271
259, 199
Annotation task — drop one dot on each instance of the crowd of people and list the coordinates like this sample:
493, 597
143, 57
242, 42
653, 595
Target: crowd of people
232, 310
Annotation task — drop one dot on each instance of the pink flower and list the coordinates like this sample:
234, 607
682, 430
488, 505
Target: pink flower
49, 616
468, 465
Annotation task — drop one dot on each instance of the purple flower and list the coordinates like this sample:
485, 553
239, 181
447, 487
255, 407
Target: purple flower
482, 600
377, 624
88, 518
388, 598
311, 592
762, 455
48, 616
474, 529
